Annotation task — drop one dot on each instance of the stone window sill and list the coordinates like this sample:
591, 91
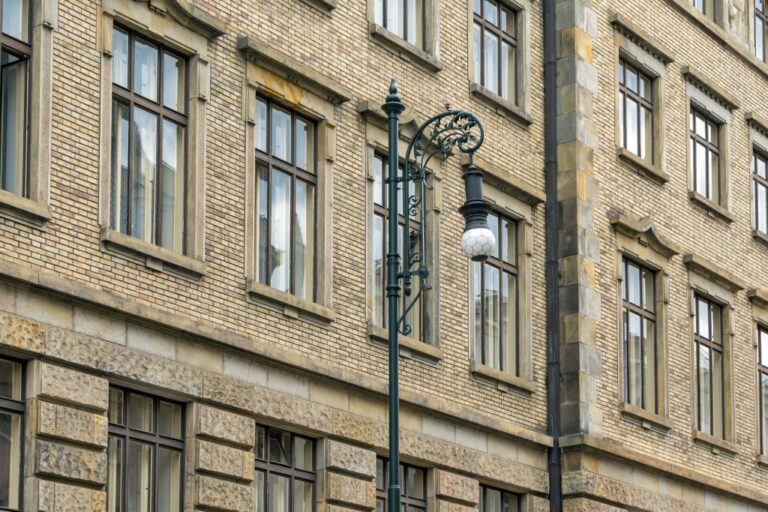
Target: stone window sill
717, 445
760, 236
648, 420
713, 209
762, 460
24, 210
153, 256
502, 106
645, 167
291, 305
325, 6
504, 380
409, 347
404, 49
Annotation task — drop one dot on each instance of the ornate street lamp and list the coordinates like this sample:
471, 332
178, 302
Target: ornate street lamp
440, 134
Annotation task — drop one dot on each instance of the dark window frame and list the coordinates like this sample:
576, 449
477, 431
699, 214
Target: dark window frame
626, 93
762, 373
155, 439
130, 99
711, 147
483, 503
759, 155
422, 45
18, 407
713, 346
762, 16
503, 36
266, 159
406, 501
291, 472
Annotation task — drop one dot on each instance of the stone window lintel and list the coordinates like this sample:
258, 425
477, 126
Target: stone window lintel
504, 380
709, 87
403, 48
758, 296
409, 347
641, 38
502, 106
757, 122
643, 228
292, 306
713, 272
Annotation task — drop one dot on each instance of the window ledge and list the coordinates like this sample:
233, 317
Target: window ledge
501, 105
292, 306
713, 209
652, 171
760, 236
153, 256
717, 445
409, 347
404, 49
503, 379
23, 210
325, 6
762, 460
648, 420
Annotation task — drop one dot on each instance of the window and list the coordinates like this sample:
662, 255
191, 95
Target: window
761, 28
762, 375
380, 230
638, 293
760, 190
146, 452
11, 413
413, 487
285, 471
404, 18
706, 7
15, 54
495, 500
708, 336
636, 111
285, 195
495, 48
495, 301
705, 155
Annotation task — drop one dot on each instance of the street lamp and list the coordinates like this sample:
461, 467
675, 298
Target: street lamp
440, 134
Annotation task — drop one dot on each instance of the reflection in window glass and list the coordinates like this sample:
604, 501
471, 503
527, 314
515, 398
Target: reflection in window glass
13, 121
404, 18
15, 16
413, 484
285, 471
496, 500
710, 410
495, 54
705, 155
636, 111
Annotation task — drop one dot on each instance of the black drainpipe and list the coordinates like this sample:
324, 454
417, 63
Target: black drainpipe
553, 273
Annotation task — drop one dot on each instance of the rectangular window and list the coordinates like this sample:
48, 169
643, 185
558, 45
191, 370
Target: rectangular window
146, 453
708, 346
638, 294
762, 376
11, 414
149, 125
413, 487
495, 500
636, 111
380, 231
760, 190
761, 28
285, 471
15, 52
404, 18
286, 184
495, 338
706, 7
705, 155
495, 48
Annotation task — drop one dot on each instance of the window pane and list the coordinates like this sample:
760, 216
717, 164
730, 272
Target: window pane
702, 318
378, 270
395, 17
491, 313
477, 6
261, 443
172, 187
168, 480
701, 125
509, 322
281, 134
116, 406
10, 379
632, 128
645, 86
764, 348
633, 283
508, 72
261, 126
169, 420
280, 447
702, 177
115, 472
305, 145
138, 484
13, 122
121, 132
10, 459
632, 79
492, 500
635, 360
415, 22
646, 133
378, 181
493, 224
705, 390
508, 21
492, 11
477, 314
491, 49
761, 166
379, 15
302, 496
649, 295
260, 506
622, 119
477, 49
145, 69
649, 363
303, 453
764, 401
415, 483
381, 478
140, 413
278, 493
120, 58
16, 19
263, 227
717, 394
173, 83
714, 176
759, 39
509, 238
280, 231
144, 156
716, 324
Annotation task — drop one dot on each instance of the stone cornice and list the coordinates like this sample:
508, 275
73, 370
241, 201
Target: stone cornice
713, 272
295, 71
507, 182
635, 227
641, 38
194, 18
757, 122
709, 87
758, 297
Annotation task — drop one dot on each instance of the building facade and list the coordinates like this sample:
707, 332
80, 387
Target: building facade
192, 237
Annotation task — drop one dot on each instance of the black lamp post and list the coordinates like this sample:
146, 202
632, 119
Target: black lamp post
442, 133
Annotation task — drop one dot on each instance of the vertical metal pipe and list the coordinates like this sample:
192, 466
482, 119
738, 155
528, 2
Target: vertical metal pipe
393, 108
552, 251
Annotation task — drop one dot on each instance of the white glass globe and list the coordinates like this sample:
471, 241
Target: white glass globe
478, 243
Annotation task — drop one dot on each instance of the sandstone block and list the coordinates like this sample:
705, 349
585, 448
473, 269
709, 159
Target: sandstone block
73, 386
100, 325
350, 490
457, 487
225, 460
451, 506
43, 308
351, 459
71, 463
222, 495
226, 426
22, 333
72, 424
59, 497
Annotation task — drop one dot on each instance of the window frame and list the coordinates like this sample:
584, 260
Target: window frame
514, 41
18, 407
715, 148
762, 373
291, 472
421, 45
406, 501
759, 154
760, 16
482, 499
625, 93
712, 345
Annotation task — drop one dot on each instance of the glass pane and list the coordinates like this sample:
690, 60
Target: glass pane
702, 318
493, 225
261, 443
508, 72
378, 270
304, 240
714, 177
302, 496
716, 324
394, 22
381, 477
705, 390
649, 363
144, 156
477, 6
491, 313
415, 19
477, 49
115, 473
169, 420
646, 133
10, 459
415, 483
116, 406
645, 87
492, 11
261, 125
631, 77
508, 21
378, 180
761, 206
717, 394
280, 231
511, 503
278, 492
761, 167
138, 484
280, 447
509, 322
635, 361
145, 69
305, 145
712, 133
16, 19
173, 82
759, 39
168, 480
632, 128
492, 500
13, 123
281, 134
701, 126
121, 174
263, 227
764, 402
303, 453
10, 379
120, 58
702, 175
622, 119
764, 347
172, 186
260, 506
140, 412
477, 312
491, 49
633, 283
649, 297
509, 249
379, 15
